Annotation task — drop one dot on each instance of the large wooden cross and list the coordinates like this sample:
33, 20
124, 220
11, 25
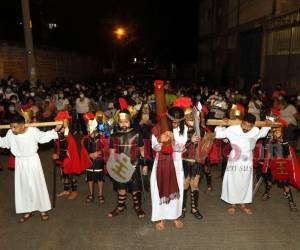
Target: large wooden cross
216, 122
36, 124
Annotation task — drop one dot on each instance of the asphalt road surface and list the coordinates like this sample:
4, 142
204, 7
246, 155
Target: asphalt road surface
77, 225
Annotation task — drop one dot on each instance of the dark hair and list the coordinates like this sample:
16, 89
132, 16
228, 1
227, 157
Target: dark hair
177, 113
126, 111
249, 118
19, 119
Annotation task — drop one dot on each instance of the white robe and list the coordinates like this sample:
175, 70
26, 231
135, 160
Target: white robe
31, 193
238, 178
172, 210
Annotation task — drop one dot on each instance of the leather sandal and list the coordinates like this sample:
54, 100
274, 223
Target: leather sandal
44, 216
231, 210
139, 212
178, 224
160, 226
25, 217
117, 211
89, 199
197, 214
246, 210
101, 198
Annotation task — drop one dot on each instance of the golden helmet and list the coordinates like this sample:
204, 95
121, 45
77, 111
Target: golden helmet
100, 116
188, 113
27, 114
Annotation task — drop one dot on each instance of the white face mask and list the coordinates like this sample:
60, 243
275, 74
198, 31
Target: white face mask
298, 97
260, 92
81, 95
280, 98
32, 94
11, 109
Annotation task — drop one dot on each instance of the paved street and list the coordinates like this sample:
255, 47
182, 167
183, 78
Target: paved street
76, 225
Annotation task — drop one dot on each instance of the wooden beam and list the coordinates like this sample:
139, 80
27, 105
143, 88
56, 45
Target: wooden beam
36, 124
216, 122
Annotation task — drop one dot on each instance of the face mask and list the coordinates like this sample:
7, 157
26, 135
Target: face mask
11, 109
32, 94
61, 95
216, 93
81, 95
298, 97
220, 98
13, 101
260, 92
280, 98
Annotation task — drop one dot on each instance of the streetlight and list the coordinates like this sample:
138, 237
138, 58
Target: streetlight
120, 33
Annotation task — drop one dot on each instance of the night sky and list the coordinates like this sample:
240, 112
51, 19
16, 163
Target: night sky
164, 30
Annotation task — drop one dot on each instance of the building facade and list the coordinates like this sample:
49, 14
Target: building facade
241, 41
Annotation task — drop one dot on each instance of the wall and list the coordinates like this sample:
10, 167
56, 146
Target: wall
50, 64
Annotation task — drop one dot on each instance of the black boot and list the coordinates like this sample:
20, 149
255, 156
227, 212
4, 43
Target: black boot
137, 201
194, 203
185, 191
267, 194
292, 204
120, 206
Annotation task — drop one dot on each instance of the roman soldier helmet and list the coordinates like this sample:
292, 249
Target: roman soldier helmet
65, 117
237, 111
27, 114
100, 117
186, 104
91, 122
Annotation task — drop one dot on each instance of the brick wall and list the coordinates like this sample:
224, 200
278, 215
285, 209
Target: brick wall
50, 64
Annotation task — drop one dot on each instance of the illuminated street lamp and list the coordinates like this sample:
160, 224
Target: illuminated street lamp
120, 33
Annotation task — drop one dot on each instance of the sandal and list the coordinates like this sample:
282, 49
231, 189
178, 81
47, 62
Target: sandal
197, 214
293, 207
117, 211
25, 217
178, 224
89, 199
266, 196
139, 212
231, 210
44, 216
101, 198
160, 226
208, 189
246, 210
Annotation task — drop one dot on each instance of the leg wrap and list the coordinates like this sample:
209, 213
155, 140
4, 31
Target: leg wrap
268, 188
208, 178
194, 199
121, 200
66, 186
74, 185
137, 200
289, 196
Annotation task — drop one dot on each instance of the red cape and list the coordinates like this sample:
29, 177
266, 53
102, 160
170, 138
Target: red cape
71, 164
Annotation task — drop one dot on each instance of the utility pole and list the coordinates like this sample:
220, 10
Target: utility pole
31, 71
